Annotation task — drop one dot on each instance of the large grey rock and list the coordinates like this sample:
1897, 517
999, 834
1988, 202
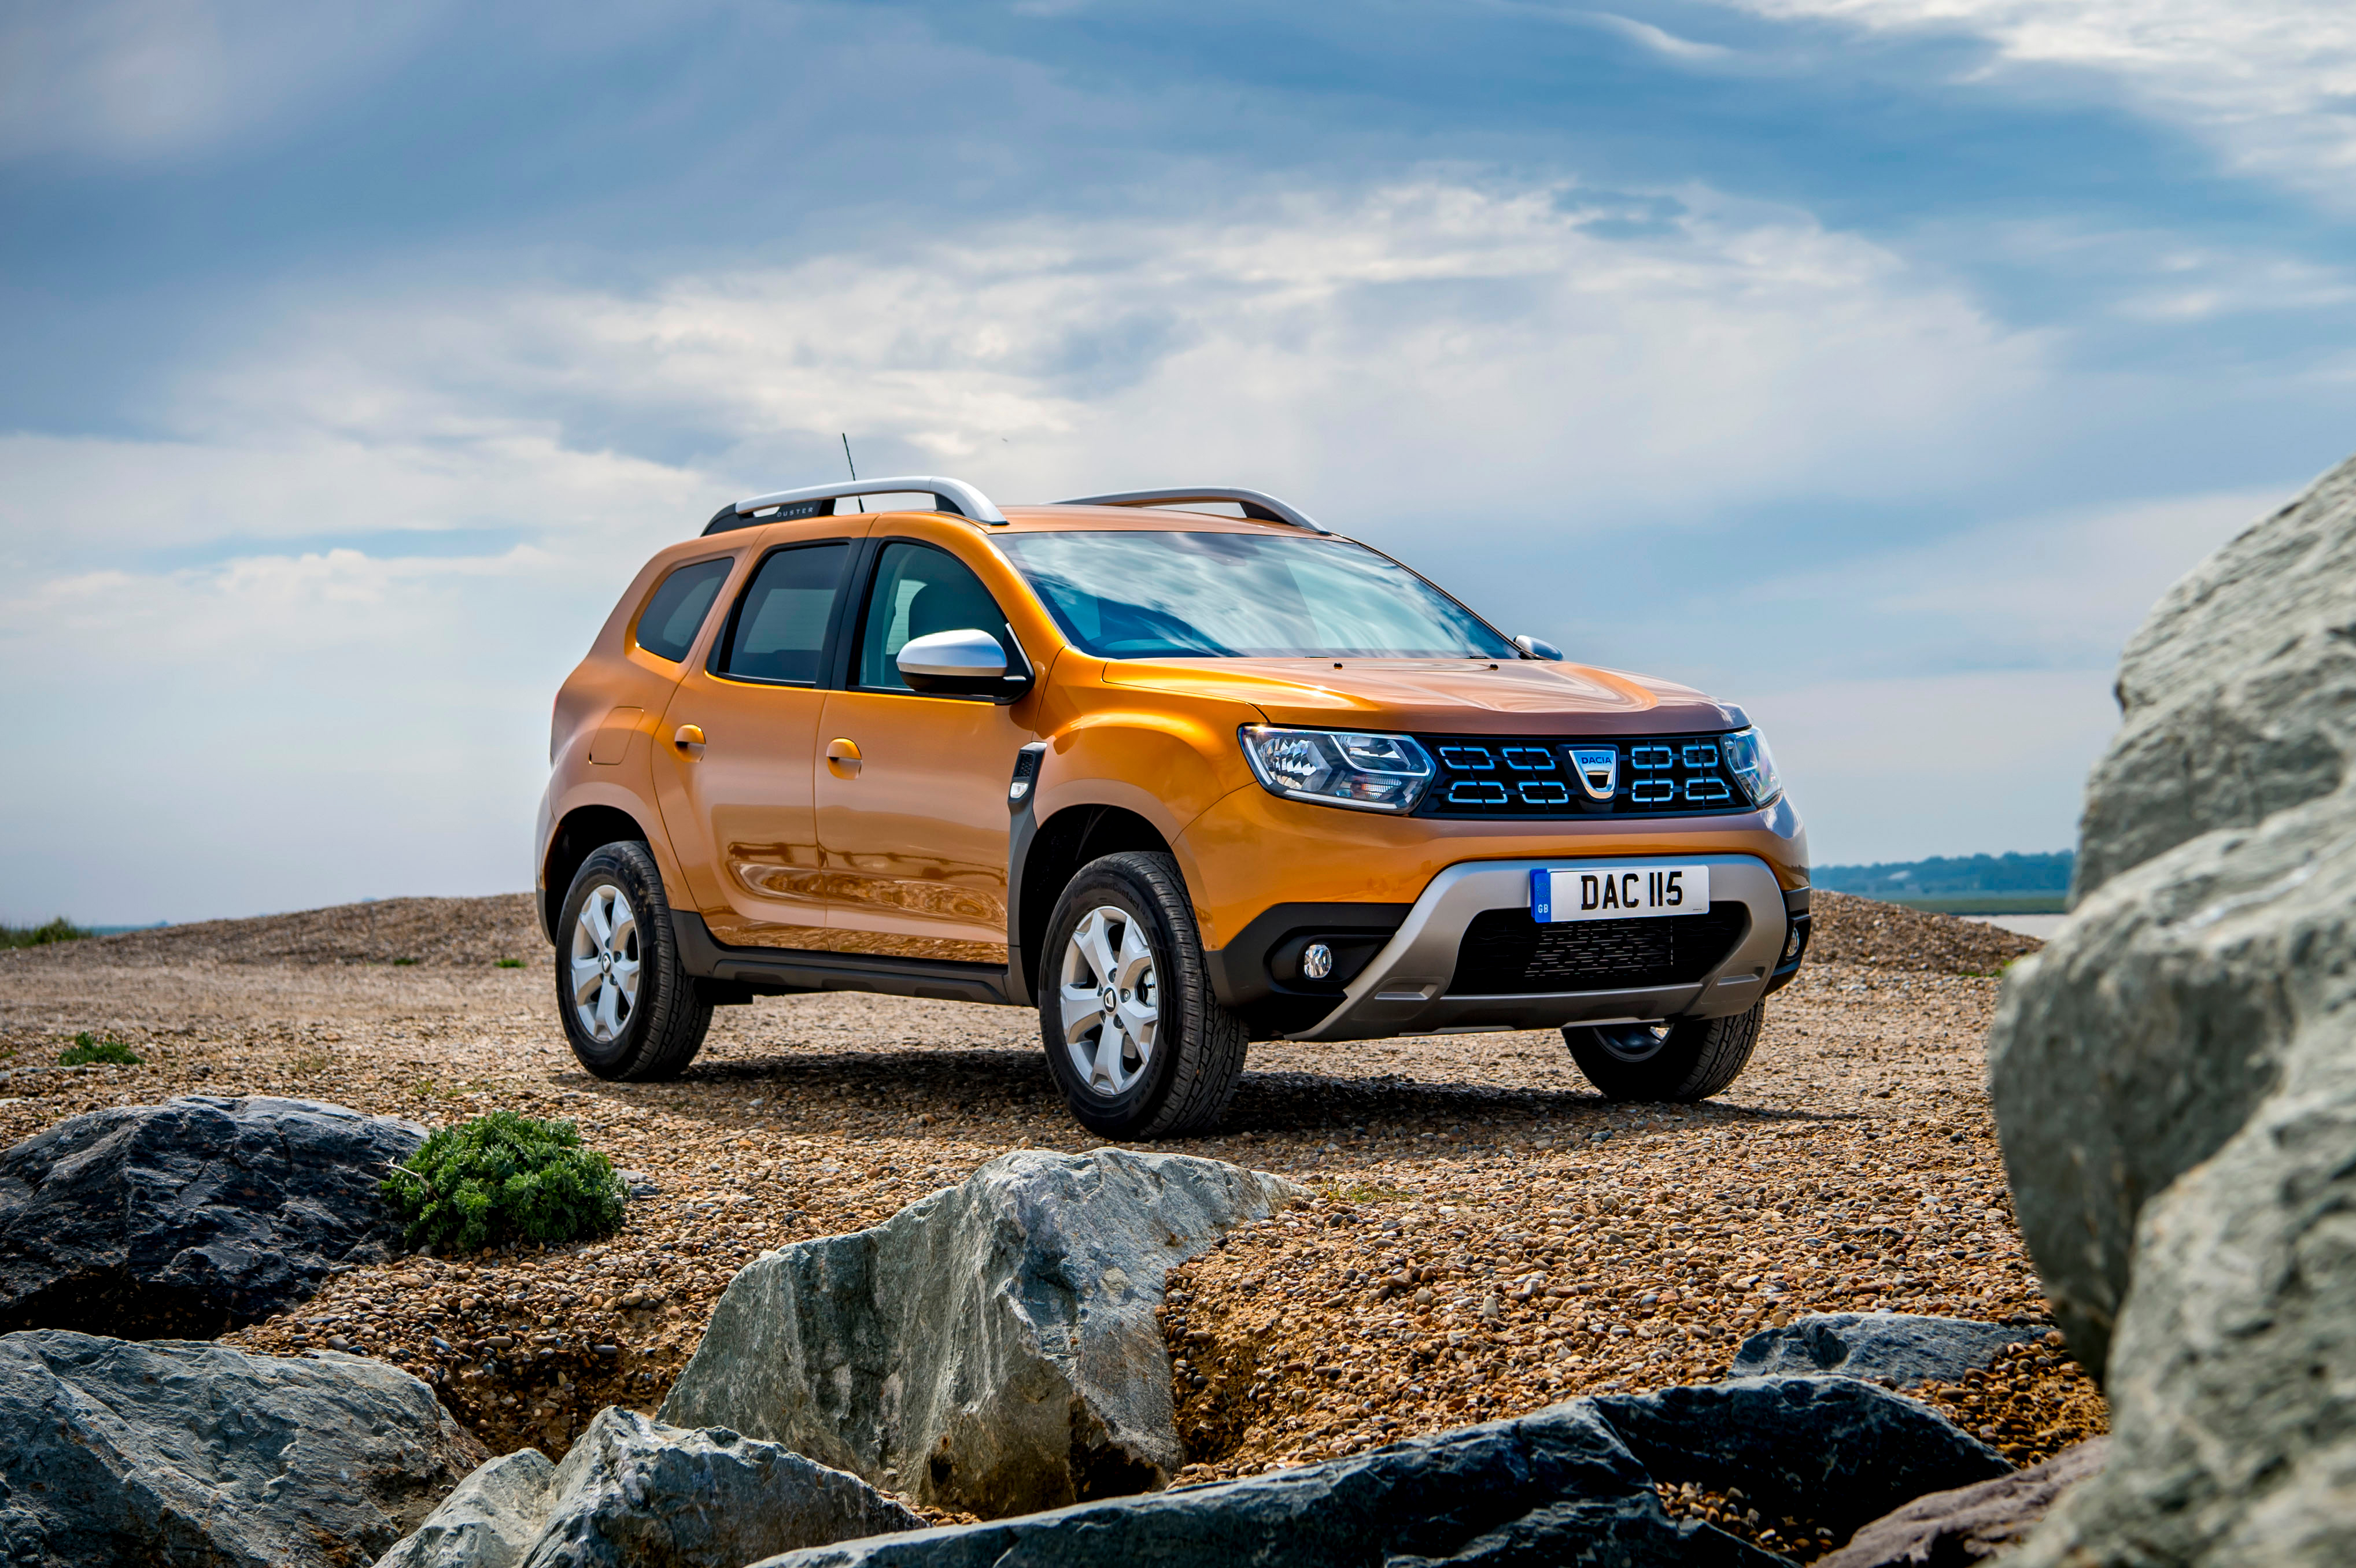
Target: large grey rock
2175, 1074
633, 1493
167, 1452
1573, 1484
1832, 1449
1899, 1346
991, 1348
2236, 694
193, 1216
1969, 1524
490, 1521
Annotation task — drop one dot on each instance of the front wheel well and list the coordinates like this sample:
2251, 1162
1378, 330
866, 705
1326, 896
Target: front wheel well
581, 835
1063, 844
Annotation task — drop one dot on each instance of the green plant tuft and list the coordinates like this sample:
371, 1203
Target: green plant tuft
58, 930
510, 963
88, 1047
504, 1177
404, 962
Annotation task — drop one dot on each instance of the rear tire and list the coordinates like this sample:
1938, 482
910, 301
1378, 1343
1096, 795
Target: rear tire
630, 1010
1137, 1041
1683, 1060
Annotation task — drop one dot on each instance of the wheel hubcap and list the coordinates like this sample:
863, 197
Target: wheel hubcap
605, 964
1111, 1006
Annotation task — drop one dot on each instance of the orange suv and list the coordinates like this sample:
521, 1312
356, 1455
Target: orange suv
1177, 779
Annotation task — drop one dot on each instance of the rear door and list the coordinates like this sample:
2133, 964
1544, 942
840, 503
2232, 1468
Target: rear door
737, 801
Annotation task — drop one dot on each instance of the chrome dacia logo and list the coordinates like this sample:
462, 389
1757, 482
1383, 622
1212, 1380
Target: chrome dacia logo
1598, 769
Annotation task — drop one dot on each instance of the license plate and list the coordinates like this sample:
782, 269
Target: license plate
1618, 893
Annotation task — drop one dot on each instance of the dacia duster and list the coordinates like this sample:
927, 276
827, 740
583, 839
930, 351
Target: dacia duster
1178, 779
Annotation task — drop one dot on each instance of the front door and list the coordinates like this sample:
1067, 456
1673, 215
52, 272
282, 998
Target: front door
912, 819
737, 802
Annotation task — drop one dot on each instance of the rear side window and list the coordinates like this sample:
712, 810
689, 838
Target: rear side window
666, 628
779, 630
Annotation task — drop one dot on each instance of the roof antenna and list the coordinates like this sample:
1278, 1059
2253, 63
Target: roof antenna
852, 466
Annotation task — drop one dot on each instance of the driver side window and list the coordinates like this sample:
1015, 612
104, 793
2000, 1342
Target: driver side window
918, 590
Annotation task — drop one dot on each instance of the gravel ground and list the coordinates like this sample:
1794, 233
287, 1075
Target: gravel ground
1487, 1235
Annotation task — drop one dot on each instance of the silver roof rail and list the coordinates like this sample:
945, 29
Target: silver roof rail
818, 501
1257, 505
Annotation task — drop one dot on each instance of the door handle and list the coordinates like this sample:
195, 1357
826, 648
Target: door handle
842, 759
689, 738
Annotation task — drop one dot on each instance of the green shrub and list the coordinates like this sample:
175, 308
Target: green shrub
505, 1177
88, 1047
510, 963
58, 930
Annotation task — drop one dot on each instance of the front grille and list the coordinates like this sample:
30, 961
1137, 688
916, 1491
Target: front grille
1642, 775
1506, 954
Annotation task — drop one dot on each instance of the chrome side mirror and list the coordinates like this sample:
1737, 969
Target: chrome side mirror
1538, 648
965, 662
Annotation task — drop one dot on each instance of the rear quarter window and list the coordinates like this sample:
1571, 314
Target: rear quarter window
668, 626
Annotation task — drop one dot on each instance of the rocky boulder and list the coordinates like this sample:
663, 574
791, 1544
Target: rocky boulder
2175, 1074
1899, 1348
193, 1216
1573, 1484
991, 1348
1969, 1524
490, 1521
633, 1493
169, 1451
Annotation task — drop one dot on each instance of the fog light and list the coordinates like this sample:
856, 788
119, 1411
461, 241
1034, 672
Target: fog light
1792, 943
1317, 961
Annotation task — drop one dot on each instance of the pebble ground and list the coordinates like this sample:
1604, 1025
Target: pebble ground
1487, 1234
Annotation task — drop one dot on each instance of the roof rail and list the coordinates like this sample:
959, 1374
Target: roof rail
1257, 505
818, 501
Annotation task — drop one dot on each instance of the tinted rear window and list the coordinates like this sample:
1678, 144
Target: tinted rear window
779, 631
667, 629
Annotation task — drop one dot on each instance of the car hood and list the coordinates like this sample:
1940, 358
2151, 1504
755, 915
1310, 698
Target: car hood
1464, 696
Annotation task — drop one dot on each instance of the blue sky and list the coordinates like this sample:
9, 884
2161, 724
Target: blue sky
1874, 363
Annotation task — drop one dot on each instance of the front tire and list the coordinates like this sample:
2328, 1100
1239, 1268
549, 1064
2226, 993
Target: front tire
1137, 1041
629, 1008
1682, 1061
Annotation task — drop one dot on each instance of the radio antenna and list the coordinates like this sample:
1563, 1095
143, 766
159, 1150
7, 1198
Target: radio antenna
852, 466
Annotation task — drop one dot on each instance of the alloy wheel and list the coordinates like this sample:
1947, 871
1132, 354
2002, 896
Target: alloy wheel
1111, 1005
605, 964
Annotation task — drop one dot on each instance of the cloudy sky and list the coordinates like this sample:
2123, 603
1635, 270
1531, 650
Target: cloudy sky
1874, 363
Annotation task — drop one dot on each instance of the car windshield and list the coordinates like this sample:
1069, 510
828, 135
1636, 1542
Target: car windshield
1218, 595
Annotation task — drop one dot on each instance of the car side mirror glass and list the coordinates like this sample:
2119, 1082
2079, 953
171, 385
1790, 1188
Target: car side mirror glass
965, 662
1538, 648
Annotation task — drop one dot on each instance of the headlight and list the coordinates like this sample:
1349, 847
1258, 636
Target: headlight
1752, 764
1371, 773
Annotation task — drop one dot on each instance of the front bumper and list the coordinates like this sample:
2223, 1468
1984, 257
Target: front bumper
1405, 989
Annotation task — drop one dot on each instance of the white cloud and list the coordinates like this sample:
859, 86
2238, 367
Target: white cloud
2271, 82
1661, 41
1433, 334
